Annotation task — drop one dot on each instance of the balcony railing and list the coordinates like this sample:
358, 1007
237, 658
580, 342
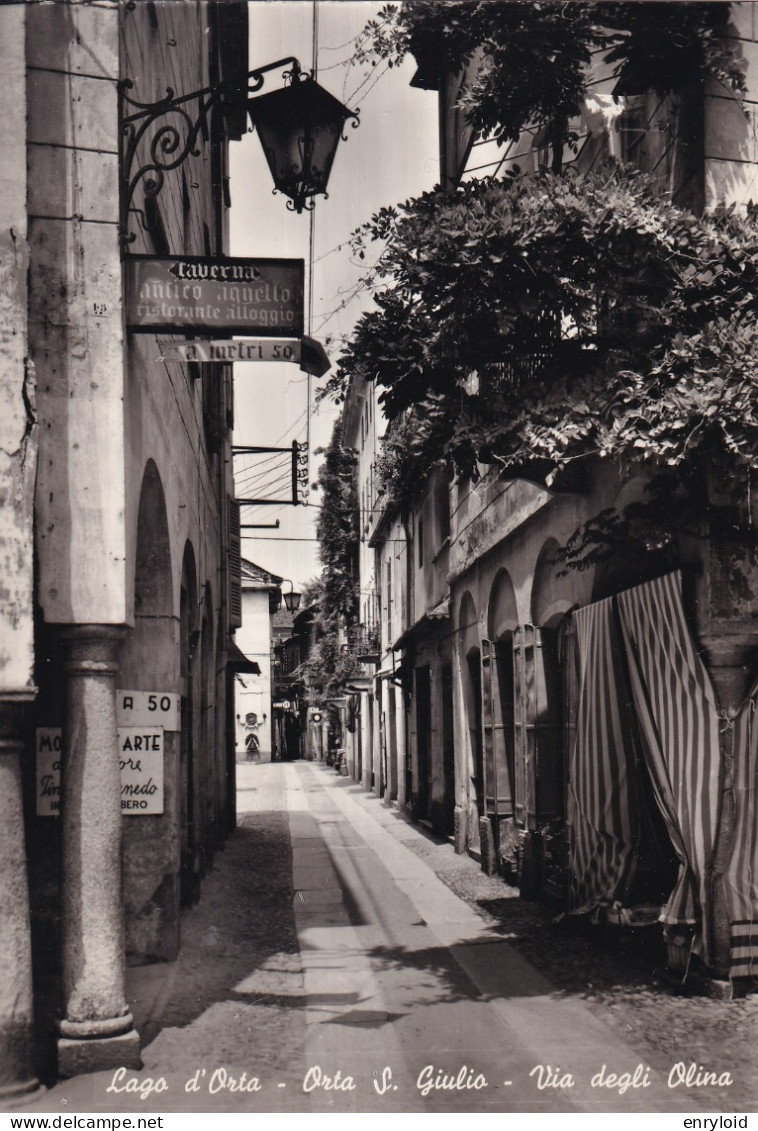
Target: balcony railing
364, 643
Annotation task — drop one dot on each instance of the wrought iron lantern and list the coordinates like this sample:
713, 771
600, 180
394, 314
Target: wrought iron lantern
300, 126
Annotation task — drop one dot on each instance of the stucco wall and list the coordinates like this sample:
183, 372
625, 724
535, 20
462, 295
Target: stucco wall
164, 428
731, 151
18, 434
75, 311
253, 638
115, 415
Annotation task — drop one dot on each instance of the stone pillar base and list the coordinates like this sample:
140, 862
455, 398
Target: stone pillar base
16, 1095
16, 997
530, 878
460, 838
98, 1054
488, 846
720, 989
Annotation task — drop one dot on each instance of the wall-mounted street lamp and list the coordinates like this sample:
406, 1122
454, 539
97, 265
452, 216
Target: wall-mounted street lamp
300, 126
291, 599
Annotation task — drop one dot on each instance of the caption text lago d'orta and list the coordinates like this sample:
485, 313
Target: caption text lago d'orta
429, 1080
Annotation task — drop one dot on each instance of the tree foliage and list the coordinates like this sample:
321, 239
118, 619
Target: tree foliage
538, 322
533, 58
597, 317
337, 529
335, 595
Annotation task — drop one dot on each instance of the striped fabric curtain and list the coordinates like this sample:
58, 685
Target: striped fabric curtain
677, 721
599, 803
672, 714
741, 876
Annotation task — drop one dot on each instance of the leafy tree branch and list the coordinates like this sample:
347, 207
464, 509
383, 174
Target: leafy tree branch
597, 318
532, 59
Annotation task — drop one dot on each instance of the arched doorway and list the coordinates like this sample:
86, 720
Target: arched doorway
205, 758
423, 700
471, 679
548, 661
189, 638
148, 662
502, 798
551, 606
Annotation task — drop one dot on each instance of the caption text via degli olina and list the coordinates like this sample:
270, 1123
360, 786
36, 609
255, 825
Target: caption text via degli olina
429, 1080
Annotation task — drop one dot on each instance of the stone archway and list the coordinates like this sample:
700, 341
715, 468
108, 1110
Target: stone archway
149, 662
206, 755
472, 768
189, 639
499, 727
552, 713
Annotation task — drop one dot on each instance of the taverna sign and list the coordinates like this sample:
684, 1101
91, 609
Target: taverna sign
191, 294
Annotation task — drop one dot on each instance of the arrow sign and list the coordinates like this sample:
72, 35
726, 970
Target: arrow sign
313, 358
309, 353
241, 349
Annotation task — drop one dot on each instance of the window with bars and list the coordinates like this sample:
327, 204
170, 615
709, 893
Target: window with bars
527, 354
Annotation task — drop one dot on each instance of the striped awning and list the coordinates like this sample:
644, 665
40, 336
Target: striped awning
636, 653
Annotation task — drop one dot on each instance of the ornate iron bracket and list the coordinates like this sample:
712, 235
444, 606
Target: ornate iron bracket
178, 123
298, 454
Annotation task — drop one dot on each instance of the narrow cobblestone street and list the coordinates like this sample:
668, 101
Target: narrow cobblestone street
335, 940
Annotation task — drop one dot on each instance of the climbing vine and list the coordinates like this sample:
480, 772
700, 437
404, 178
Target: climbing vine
534, 321
533, 58
335, 595
542, 322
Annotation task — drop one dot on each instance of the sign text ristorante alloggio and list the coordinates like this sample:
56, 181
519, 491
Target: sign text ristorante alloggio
175, 295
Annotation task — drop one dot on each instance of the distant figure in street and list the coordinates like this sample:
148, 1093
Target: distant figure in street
252, 746
291, 736
252, 742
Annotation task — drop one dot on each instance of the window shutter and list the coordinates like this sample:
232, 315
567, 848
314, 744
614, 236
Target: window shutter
497, 778
502, 676
548, 766
537, 713
523, 726
488, 728
235, 565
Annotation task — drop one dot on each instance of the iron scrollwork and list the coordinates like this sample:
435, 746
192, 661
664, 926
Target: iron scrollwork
179, 123
302, 472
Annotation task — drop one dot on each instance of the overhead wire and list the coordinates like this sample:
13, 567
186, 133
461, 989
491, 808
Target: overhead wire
252, 478
271, 476
255, 476
375, 73
264, 464
273, 458
311, 253
260, 485
264, 490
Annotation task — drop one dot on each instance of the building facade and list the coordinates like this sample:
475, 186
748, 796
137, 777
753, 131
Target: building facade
505, 663
362, 426
253, 689
119, 600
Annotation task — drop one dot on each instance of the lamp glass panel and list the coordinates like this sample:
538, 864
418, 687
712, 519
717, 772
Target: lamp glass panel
299, 128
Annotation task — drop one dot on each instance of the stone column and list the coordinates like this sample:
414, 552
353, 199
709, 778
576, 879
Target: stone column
97, 1030
16, 1001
